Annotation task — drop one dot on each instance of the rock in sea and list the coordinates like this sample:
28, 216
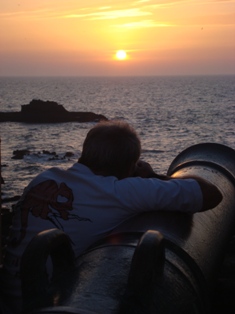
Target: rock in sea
39, 111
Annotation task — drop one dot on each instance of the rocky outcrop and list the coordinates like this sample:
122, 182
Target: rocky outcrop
39, 111
20, 153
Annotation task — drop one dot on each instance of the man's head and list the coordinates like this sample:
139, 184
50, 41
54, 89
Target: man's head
111, 148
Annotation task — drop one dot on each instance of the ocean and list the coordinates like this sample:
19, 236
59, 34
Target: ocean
169, 113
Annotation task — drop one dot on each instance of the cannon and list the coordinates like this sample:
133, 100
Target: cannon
158, 262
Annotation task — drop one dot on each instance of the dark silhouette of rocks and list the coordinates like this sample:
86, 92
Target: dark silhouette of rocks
39, 111
20, 153
69, 154
47, 152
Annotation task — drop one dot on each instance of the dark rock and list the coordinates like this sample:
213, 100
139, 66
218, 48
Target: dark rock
20, 153
69, 154
39, 111
46, 152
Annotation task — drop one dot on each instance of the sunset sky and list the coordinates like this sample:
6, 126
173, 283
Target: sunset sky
77, 38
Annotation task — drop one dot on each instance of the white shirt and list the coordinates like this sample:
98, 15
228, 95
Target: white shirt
87, 206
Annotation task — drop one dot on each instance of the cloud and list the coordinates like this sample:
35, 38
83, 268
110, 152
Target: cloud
142, 1
110, 14
143, 24
31, 14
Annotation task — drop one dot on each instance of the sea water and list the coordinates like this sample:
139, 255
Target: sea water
169, 113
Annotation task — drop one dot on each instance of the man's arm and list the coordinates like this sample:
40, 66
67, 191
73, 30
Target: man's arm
210, 193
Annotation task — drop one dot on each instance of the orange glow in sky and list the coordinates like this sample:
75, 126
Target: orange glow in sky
165, 37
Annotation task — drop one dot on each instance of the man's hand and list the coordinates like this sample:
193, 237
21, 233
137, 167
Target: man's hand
144, 170
210, 193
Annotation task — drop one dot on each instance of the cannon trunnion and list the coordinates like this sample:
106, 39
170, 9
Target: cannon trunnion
161, 262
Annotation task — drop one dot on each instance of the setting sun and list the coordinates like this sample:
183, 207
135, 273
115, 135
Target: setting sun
121, 55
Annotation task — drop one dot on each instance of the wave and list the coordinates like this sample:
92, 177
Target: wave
154, 151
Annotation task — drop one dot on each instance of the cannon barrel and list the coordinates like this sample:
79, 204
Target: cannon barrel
211, 229
159, 262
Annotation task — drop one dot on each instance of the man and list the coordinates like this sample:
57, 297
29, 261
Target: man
107, 186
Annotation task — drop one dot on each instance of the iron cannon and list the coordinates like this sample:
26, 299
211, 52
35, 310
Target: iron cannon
161, 262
